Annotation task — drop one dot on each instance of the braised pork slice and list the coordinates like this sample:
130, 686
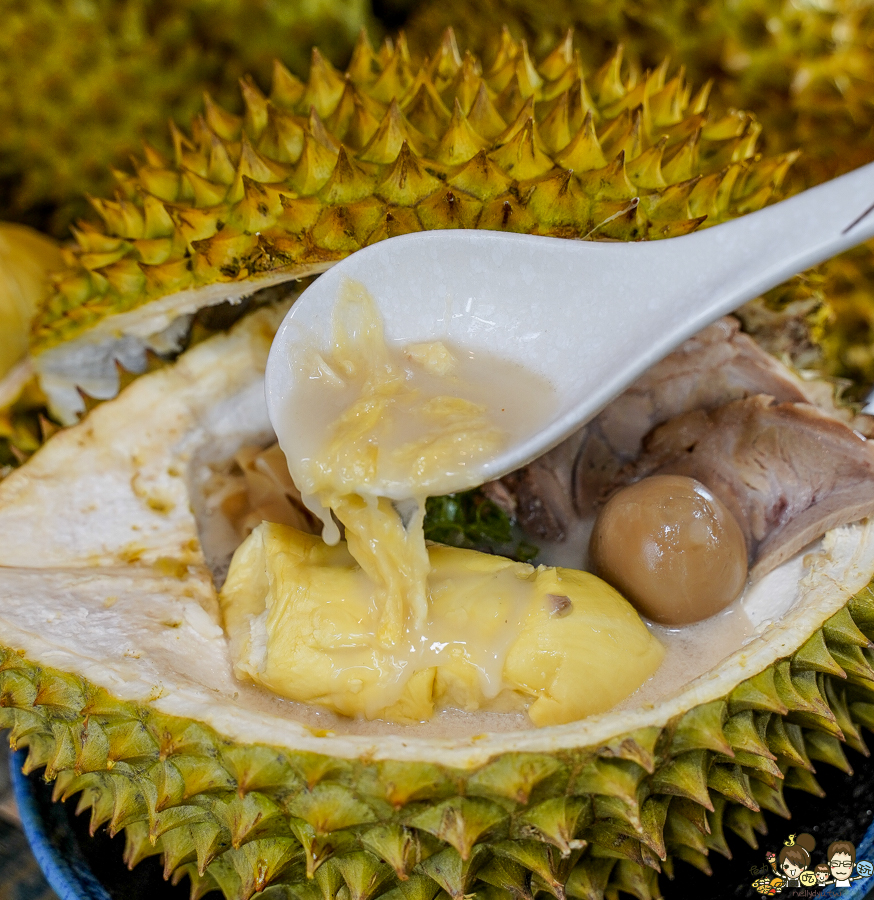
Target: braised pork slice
786, 471
540, 491
717, 365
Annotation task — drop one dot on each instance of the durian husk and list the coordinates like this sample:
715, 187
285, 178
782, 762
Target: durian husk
82, 82
319, 169
803, 69
244, 800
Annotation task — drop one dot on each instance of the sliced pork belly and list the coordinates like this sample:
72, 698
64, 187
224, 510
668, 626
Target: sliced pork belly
717, 365
541, 497
786, 471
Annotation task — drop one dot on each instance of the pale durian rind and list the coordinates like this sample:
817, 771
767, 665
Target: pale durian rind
159, 739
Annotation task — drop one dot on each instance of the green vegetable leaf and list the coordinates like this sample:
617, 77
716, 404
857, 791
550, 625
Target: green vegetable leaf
472, 521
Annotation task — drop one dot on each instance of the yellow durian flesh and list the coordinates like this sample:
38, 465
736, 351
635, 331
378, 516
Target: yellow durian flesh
26, 259
304, 618
564, 647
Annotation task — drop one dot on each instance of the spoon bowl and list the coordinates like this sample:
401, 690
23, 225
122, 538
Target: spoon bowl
587, 316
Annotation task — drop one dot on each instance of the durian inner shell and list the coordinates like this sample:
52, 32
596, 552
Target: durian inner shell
107, 546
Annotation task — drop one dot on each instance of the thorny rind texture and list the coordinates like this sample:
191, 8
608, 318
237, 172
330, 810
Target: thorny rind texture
319, 169
83, 82
585, 823
803, 69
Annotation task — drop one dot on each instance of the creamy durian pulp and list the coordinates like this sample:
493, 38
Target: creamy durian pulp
381, 625
498, 635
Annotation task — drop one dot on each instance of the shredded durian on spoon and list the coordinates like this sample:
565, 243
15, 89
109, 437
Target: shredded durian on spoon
387, 416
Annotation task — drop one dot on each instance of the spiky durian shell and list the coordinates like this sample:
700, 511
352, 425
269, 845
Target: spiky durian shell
512, 827
583, 824
803, 68
82, 82
579, 821
321, 169
583, 820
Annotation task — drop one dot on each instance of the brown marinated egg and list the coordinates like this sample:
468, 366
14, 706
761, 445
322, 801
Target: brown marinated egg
671, 548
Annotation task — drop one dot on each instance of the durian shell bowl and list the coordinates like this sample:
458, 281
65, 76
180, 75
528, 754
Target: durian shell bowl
156, 737
114, 670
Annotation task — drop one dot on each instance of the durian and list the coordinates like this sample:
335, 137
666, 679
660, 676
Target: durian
235, 797
26, 258
803, 69
82, 82
318, 169
118, 681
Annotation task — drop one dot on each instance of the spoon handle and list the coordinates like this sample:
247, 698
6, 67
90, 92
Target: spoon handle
743, 258
652, 295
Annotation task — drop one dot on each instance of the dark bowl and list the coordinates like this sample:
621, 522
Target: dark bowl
76, 865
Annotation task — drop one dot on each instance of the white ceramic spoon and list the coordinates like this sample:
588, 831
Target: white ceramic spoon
588, 316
